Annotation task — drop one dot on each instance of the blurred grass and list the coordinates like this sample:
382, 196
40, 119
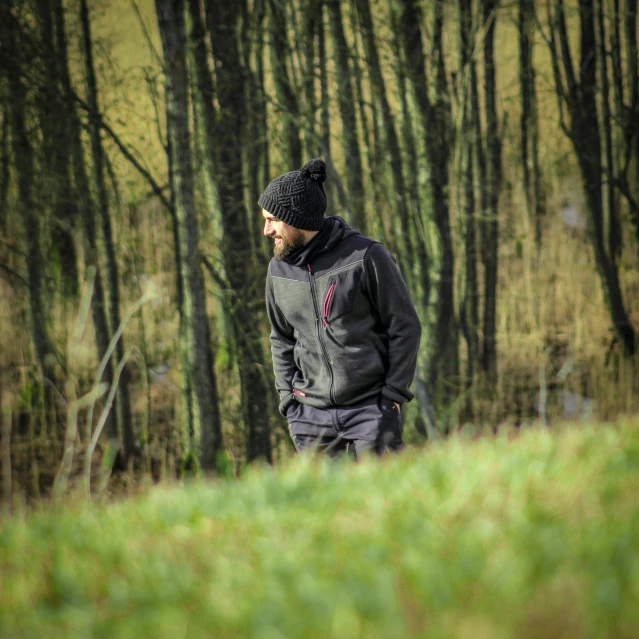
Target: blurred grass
523, 535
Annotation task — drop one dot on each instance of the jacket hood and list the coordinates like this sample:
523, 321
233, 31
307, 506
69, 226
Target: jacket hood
334, 230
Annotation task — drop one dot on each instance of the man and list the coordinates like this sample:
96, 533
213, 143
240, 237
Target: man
344, 332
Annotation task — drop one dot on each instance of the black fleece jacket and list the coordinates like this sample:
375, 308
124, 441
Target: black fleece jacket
343, 326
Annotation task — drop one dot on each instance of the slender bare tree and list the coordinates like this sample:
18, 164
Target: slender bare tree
346, 102
56, 157
286, 94
490, 235
28, 207
528, 123
123, 406
244, 274
578, 105
469, 304
202, 421
435, 119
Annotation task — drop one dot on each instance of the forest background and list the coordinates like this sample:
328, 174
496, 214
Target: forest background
492, 146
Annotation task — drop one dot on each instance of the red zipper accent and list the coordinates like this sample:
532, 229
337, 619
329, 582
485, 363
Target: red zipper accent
327, 303
298, 392
317, 313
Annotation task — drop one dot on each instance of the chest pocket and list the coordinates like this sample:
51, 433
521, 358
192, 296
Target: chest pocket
340, 294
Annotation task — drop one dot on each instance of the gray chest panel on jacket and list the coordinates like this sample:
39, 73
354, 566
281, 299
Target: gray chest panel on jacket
336, 288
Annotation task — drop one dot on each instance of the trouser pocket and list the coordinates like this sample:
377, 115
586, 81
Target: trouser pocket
391, 428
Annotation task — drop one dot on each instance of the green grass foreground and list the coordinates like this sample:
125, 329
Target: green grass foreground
534, 535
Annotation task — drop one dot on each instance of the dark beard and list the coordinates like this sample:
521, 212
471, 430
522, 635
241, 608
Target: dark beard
288, 247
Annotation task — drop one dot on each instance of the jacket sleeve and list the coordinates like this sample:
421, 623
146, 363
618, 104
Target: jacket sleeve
282, 345
390, 296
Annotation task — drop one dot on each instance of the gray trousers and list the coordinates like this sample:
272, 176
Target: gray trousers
373, 425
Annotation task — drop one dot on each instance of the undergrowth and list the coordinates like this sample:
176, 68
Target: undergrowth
531, 533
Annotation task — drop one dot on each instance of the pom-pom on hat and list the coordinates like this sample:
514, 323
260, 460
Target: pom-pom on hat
298, 198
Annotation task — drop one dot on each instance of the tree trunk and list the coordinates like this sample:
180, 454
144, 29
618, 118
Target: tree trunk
617, 67
87, 206
479, 154
256, 131
416, 227
356, 73
632, 72
528, 125
378, 222
577, 101
491, 219
403, 227
123, 406
619, 134
613, 230
56, 159
5, 171
469, 315
204, 100
435, 117
346, 102
246, 283
312, 23
283, 88
325, 118
262, 112
28, 208
324, 97
196, 355
525, 64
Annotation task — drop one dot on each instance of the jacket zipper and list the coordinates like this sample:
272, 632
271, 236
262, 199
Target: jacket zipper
320, 332
327, 303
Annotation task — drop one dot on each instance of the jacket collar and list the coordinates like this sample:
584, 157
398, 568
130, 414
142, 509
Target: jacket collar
334, 230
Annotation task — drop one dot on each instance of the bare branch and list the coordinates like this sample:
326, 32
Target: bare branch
559, 83
147, 36
13, 274
157, 189
560, 18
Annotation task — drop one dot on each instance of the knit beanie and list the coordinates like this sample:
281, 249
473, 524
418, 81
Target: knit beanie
298, 198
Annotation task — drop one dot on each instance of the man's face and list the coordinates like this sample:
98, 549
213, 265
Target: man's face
286, 239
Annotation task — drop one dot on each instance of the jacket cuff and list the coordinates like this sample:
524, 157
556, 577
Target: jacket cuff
394, 396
